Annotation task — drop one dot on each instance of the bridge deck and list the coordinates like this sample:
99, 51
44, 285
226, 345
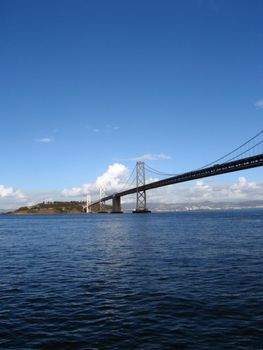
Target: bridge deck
241, 164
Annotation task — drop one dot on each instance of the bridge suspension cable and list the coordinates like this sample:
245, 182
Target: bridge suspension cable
236, 150
130, 182
157, 172
253, 144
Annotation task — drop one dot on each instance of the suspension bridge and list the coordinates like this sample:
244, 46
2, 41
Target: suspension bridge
247, 155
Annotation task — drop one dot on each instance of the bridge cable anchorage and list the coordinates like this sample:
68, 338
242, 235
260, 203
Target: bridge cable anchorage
141, 206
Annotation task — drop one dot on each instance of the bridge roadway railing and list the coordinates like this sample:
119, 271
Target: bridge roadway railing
241, 164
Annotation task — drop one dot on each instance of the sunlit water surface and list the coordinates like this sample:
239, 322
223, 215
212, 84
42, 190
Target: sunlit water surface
158, 281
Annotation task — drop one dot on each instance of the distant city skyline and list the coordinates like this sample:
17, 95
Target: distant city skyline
90, 87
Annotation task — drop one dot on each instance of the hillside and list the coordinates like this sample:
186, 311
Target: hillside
73, 207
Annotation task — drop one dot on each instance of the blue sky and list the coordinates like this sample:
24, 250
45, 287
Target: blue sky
85, 84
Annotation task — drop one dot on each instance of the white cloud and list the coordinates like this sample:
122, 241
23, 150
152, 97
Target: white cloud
10, 192
150, 156
243, 189
113, 180
259, 104
72, 192
202, 190
163, 156
10, 197
103, 129
78, 191
44, 140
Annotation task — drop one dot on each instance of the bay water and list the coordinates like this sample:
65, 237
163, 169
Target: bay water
184, 280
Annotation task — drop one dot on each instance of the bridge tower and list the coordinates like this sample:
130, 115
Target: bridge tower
141, 206
102, 195
88, 203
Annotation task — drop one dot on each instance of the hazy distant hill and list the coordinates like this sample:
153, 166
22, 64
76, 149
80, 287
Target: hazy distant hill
207, 205
2, 211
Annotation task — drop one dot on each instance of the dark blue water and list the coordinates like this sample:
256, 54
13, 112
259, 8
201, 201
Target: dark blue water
157, 281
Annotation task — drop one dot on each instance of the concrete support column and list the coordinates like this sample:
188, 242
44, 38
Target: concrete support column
116, 205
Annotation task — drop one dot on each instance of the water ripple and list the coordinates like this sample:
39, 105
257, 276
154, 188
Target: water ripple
163, 281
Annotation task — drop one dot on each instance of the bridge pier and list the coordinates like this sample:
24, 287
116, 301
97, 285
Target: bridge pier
143, 211
141, 206
116, 205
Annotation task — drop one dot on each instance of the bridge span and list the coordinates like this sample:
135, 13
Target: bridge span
217, 169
